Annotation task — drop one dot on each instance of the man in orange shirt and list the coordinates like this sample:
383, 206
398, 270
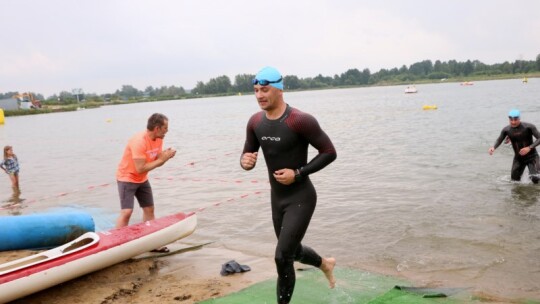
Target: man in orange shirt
143, 153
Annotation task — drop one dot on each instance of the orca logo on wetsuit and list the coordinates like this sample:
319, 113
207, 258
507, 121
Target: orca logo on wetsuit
270, 138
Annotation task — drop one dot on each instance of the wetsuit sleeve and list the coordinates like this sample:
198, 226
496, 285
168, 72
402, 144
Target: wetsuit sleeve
252, 144
311, 130
500, 139
536, 134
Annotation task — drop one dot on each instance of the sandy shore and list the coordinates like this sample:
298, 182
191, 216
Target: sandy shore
187, 277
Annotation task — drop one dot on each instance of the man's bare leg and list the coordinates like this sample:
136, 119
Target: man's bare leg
148, 213
123, 218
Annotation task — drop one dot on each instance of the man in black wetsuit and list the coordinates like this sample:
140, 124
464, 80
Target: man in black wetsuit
284, 134
521, 135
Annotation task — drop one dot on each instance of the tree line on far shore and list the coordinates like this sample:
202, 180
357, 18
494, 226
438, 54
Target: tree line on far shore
420, 71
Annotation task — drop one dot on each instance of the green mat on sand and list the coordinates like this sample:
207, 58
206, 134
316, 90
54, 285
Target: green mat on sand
352, 287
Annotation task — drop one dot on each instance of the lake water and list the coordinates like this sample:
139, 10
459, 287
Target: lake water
412, 193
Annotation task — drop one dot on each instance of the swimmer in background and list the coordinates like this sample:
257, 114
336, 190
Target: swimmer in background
520, 134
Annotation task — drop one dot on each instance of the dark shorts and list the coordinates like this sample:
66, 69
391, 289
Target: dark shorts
128, 191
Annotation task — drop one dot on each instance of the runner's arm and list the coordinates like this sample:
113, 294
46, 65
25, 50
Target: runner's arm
320, 141
499, 140
248, 158
537, 135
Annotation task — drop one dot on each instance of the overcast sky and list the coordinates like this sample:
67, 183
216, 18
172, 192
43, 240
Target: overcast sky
99, 45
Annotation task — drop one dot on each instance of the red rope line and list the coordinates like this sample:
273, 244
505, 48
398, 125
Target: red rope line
169, 178
94, 187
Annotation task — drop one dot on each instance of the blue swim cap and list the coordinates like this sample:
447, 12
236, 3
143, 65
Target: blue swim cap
270, 74
513, 113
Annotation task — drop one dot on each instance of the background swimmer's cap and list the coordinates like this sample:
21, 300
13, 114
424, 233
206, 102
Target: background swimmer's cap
271, 74
513, 113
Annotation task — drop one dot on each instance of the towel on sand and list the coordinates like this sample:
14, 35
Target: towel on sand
232, 267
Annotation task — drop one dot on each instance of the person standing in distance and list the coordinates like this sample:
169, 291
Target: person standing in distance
10, 165
143, 153
521, 134
284, 133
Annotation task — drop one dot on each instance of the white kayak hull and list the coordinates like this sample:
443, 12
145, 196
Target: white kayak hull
113, 247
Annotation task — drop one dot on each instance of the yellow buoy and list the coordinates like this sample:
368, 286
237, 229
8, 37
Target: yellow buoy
1, 116
429, 107
108, 120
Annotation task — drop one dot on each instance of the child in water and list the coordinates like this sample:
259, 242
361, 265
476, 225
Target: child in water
10, 165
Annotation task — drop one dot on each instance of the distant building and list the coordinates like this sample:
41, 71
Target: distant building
9, 104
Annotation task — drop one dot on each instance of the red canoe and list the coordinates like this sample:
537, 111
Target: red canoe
88, 253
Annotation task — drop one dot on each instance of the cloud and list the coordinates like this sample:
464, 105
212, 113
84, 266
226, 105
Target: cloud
103, 44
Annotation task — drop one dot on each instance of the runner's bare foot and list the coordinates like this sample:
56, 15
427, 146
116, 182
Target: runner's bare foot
327, 267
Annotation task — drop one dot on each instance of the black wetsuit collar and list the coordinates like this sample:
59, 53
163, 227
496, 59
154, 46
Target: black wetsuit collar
281, 118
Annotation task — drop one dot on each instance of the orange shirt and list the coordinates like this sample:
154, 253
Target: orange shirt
140, 146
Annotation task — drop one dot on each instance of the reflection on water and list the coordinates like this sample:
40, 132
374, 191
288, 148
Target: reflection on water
525, 195
412, 192
14, 204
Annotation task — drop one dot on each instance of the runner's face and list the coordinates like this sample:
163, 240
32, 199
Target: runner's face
267, 96
514, 121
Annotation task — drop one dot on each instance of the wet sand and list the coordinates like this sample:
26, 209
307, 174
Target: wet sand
187, 277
